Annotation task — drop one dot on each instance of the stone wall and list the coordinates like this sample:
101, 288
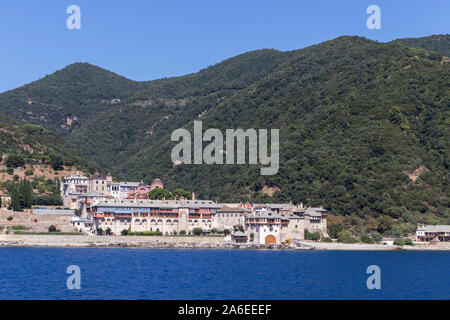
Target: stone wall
113, 241
36, 222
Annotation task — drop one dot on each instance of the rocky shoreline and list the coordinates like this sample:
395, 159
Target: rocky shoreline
188, 242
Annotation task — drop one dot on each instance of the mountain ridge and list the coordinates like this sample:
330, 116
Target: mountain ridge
354, 115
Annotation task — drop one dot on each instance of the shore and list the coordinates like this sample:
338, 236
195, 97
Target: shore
185, 242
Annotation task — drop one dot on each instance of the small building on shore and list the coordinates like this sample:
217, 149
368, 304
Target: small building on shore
439, 233
83, 225
239, 237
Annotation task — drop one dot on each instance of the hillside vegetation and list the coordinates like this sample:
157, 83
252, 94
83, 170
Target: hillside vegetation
34, 144
364, 126
439, 43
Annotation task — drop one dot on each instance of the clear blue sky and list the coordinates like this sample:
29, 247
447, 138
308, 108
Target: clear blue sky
145, 39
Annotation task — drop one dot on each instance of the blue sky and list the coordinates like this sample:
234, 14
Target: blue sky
145, 39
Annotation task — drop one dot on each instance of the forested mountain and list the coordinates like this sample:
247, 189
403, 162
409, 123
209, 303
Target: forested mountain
33, 143
439, 43
364, 126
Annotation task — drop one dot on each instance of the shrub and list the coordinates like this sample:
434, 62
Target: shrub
124, 232
346, 236
376, 236
182, 232
145, 233
19, 228
197, 231
334, 229
48, 200
52, 228
399, 242
315, 236
327, 239
366, 239
14, 161
408, 242
10, 218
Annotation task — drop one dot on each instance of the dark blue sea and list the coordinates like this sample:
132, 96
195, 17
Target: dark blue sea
40, 273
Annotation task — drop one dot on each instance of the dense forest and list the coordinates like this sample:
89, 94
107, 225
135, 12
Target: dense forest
364, 126
439, 43
29, 143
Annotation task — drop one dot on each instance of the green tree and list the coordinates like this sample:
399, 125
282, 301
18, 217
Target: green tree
14, 161
346, 236
178, 193
197, 231
334, 229
56, 162
15, 199
159, 194
377, 237
366, 239
385, 224
314, 236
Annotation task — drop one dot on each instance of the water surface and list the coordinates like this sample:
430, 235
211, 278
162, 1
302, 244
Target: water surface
40, 273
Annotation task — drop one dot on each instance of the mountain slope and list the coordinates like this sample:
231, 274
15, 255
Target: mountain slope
356, 118
33, 142
364, 126
66, 98
439, 43
113, 135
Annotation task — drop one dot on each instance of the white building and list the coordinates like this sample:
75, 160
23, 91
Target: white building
83, 225
433, 233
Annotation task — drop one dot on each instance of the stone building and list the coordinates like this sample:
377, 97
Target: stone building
229, 217
167, 216
271, 227
98, 183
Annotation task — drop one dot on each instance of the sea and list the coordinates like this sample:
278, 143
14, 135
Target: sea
186, 274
